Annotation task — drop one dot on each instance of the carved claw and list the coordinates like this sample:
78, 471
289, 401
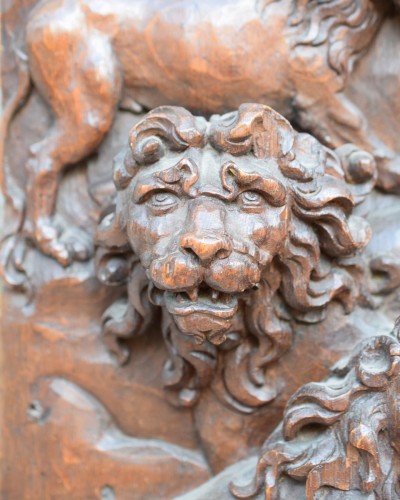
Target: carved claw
117, 349
246, 491
12, 256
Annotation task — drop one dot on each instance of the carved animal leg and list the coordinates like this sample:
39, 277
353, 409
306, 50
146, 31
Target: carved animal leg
75, 71
332, 118
335, 120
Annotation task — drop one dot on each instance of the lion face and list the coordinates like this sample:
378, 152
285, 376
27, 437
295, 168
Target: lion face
205, 225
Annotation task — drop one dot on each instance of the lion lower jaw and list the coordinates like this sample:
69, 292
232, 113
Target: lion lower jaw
204, 327
202, 318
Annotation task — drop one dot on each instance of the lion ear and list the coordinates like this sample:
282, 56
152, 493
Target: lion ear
273, 137
256, 127
359, 169
110, 232
174, 125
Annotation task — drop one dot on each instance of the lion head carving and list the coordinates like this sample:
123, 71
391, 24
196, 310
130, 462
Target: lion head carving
237, 227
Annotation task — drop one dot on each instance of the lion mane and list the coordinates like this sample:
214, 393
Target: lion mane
343, 26
310, 271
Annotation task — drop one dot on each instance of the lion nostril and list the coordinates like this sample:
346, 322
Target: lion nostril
189, 251
222, 254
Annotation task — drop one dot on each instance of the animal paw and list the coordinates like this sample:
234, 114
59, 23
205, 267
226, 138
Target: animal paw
66, 246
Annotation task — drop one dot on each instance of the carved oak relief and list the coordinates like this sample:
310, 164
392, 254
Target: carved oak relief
237, 259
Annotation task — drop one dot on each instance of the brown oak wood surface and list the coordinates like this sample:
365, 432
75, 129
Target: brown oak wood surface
200, 249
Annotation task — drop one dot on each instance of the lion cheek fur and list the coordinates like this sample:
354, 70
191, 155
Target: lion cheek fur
175, 272
233, 275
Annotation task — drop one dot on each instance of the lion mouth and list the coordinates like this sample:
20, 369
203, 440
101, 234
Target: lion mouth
203, 300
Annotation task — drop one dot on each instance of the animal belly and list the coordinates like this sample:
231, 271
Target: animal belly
209, 65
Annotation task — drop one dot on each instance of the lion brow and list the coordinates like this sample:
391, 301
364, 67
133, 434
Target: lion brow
180, 177
184, 173
232, 177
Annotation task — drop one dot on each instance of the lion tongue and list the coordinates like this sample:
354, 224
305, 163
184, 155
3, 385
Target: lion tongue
217, 338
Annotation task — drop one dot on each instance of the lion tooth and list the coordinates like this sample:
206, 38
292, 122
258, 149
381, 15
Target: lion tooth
199, 338
193, 294
214, 295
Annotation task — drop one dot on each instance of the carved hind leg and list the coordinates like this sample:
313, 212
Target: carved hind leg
75, 70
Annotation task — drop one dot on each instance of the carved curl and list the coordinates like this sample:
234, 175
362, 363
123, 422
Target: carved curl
164, 128
342, 26
299, 283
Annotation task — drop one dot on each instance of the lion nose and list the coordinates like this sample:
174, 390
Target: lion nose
206, 246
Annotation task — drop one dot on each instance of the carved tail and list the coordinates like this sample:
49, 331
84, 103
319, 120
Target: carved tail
13, 245
12, 192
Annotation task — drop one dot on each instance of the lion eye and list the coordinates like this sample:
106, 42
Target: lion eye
163, 199
251, 198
